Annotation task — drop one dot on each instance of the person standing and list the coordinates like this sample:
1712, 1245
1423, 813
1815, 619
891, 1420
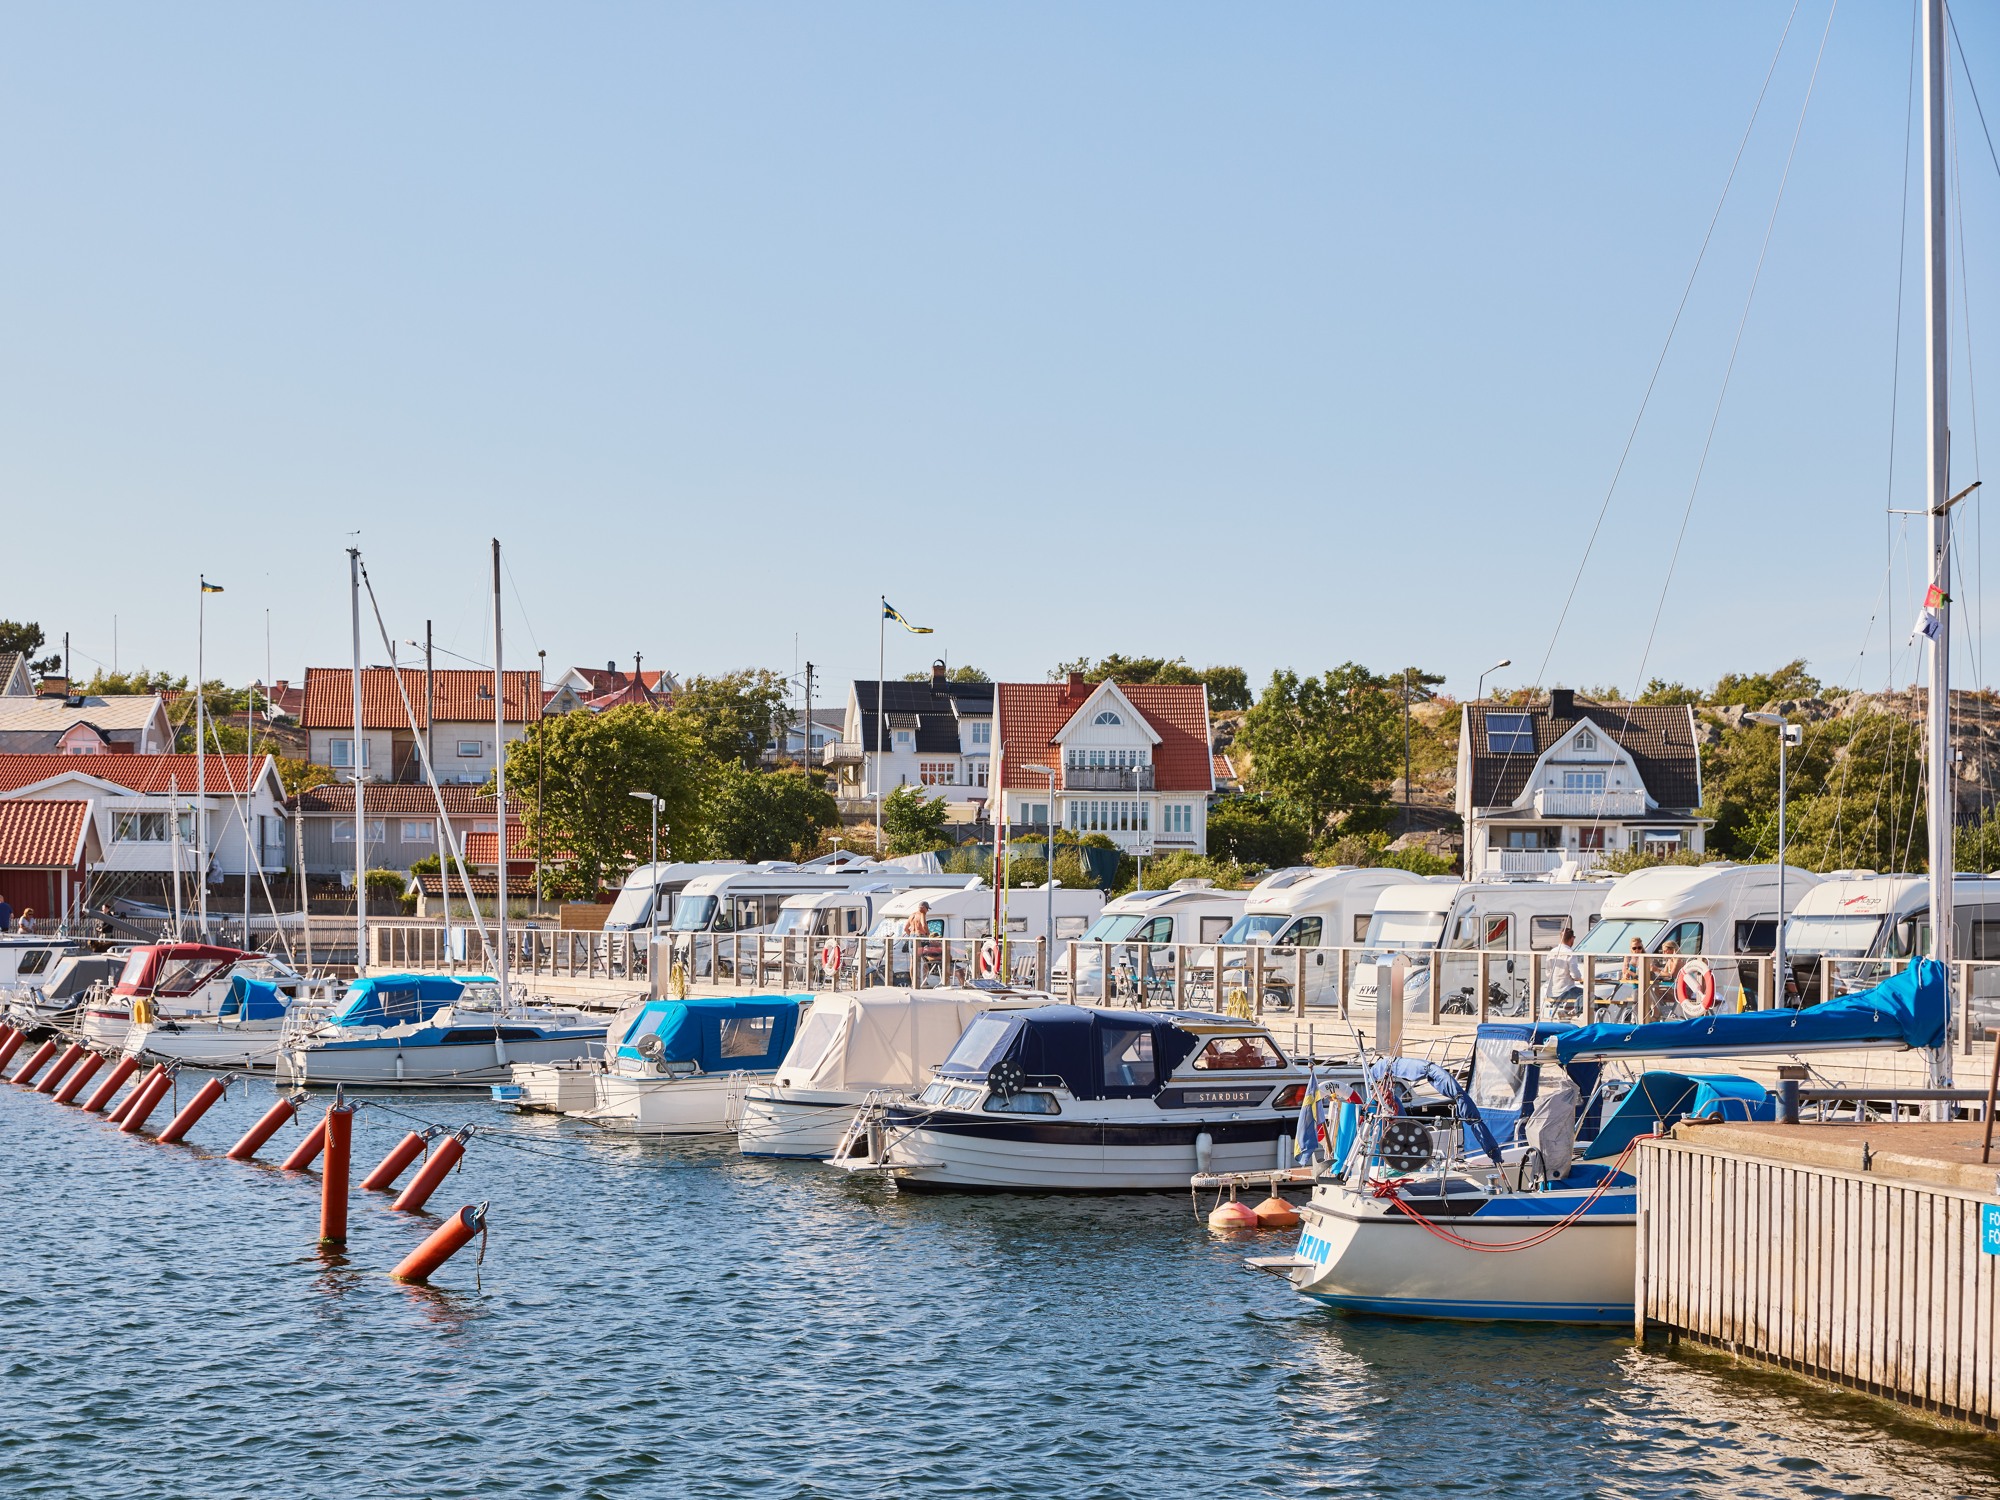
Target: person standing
6, 915
1565, 975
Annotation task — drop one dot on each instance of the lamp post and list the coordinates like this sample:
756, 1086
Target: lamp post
652, 875
1049, 872
1789, 734
1479, 692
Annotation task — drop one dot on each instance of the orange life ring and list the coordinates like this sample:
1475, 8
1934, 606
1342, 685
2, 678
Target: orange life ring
1704, 982
989, 957
829, 956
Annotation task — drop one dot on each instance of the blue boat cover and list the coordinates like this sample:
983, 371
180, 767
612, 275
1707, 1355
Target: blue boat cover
1502, 1089
752, 1034
1095, 1054
391, 999
253, 1000
1659, 1098
1906, 1010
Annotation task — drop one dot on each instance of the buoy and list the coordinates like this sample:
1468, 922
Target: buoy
117, 1115
303, 1154
71, 1056
34, 1064
333, 1173
106, 1091
145, 1102
254, 1138
1275, 1213
445, 1241
85, 1071
413, 1198
407, 1150
194, 1109
10, 1043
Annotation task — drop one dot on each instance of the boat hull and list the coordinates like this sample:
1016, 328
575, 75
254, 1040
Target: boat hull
989, 1153
707, 1105
797, 1124
252, 1048
561, 1088
391, 1063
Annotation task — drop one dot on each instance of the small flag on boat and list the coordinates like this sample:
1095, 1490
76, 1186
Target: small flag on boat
210, 588
890, 612
1927, 625
1305, 1138
1935, 596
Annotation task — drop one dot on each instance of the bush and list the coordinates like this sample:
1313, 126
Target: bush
1252, 831
1185, 864
913, 822
1625, 861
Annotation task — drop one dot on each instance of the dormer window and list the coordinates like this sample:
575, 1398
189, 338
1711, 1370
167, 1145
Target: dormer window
1108, 720
1585, 740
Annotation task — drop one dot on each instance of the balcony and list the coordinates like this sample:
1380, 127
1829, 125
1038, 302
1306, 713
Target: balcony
842, 753
1108, 779
1621, 803
1539, 861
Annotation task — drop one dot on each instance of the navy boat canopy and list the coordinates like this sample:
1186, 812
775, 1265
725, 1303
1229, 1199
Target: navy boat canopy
1904, 1010
1095, 1054
722, 1036
392, 999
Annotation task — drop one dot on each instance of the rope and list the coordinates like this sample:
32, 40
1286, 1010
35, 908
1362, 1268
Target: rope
1388, 1190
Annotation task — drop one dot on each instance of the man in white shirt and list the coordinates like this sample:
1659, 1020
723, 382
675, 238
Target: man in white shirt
1565, 975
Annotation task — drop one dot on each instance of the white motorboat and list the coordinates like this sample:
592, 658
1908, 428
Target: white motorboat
680, 1067
246, 1034
178, 982
1089, 1099
49, 994
875, 1042
429, 1031
568, 1087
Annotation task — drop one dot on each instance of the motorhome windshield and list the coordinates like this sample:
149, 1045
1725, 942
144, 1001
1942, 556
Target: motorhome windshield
794, 919
1832, 933
1614, 935
1405, 929
1253, 929
693, 913
1110, 928
633, 908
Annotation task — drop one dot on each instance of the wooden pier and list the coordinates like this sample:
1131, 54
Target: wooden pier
1866, 1256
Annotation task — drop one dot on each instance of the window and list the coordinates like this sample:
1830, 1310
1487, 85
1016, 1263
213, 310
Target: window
341, 753
1108, 719
1035, 812
746, 1036
1545, 932
1104, 760
1128, 1058
417, 831
975, 773
1526, 838
982, 732
1071, 927
1760, 934
1686, 936
1584, 781
471, 749
343, 830
937, 772
1305, 933
1177, 817
486, 825
1361, 921
1233, 1053
903, 739
1110, 817
1661, 840
1510, 734
149, 828
1590, 838
1212, 929
1029, 1103
1584, 740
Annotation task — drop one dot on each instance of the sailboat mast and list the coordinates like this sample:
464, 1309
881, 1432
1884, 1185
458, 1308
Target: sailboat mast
1941, 802
201, 766
354, 764
500, 767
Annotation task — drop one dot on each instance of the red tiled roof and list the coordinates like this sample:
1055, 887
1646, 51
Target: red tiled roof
288, 699
618, 698
1031, 714
484, 848
329, 697
150, 775
1224, 771
603, 680
395, 800
42, 835
482, 885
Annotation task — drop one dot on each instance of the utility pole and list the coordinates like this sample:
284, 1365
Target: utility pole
809, 717
430, 699
1406, 750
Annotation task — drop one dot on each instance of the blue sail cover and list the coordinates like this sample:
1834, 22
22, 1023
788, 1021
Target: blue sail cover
1904, 1010
391, 999
722, 1036
253, 1000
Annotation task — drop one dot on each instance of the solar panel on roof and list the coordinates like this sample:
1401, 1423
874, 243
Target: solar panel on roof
1510, 734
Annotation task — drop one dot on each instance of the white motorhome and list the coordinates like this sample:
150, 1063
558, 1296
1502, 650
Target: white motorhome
968, 915
1305, 911
713, 911
812, 917
1141, 930
1460, 919
1722, 911
633, 907
1866, 925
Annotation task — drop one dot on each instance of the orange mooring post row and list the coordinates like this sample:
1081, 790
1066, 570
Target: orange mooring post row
308, 1150
254, 1138
333, 1174
106, 1091
10, 1043
417, 1194
445, 1241
117, 1115
195, 1108
34, 1064
85, 1071
71, 1056
407, 1150
146, 1101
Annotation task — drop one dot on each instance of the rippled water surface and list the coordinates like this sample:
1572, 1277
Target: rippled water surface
663, 1319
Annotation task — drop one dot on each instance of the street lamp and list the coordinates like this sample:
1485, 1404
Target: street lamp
653, 877
1480, 691
1049, 873
1789, 734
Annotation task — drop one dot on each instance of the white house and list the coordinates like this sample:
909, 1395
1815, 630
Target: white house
938, 733
1570, 780
459, 711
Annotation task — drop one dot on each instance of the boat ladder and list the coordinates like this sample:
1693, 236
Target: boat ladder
865, 1129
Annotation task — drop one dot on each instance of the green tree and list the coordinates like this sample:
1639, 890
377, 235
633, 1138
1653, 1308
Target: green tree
301, 775
956, 674
1755, 689
1254, 831
25, 636
1326, 746
769, 814
1228, 687
1660, 691
913, 823
734, 716
584, 767
139, 683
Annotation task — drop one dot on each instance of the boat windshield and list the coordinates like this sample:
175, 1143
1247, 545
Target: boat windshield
1253, 930
1112, 928
1405, 929
980, 1044
815, 1039
633, 908
1615, 936
1833, 933
693, 913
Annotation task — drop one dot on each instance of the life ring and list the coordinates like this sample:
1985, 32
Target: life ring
1701, 993
829, 956
142, 1013
989, 958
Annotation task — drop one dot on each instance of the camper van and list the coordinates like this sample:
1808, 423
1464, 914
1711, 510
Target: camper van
1865, 924
1725, 912
1148, 923
711, 911
633, 907
1461, 918
812, 917
1306, 910
968, 914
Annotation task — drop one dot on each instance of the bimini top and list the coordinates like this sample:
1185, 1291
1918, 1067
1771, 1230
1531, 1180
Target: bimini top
1904, 1010
883, 1038
392, 999
174, 968
1095, 1054
752, 1034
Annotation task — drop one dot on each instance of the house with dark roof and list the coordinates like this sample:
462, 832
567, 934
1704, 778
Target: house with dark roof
935, 733
456, 708
1567, 782
14, 679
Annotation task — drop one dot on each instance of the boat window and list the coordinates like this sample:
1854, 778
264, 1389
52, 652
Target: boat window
1024, 1104
36, 961
1616, 935
959, 1098
1253, 929
934, 1094
1230, 1053
815, 1040
186, 977
1545, 932
1128, 1058
1405, 929
134, 973
693, 913
747, 1036
1496, 1078
979, 1045
1304, 933
1112, 928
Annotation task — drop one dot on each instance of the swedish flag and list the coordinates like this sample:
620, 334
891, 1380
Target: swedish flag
889, 612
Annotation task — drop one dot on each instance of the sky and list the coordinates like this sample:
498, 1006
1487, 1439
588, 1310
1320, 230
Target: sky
1279, 336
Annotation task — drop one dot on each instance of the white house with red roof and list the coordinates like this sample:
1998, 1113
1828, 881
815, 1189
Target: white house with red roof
457, 708
1131, 761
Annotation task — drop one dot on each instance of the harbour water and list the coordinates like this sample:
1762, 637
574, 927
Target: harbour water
669, 1319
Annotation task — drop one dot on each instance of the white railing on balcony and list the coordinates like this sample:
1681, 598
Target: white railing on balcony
1623, 803
1541, 861
1108, 779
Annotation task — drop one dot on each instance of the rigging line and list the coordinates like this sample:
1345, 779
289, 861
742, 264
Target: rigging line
508, 565
1896, 355
1756, 276
1965, 67
1976, 643
1645, 401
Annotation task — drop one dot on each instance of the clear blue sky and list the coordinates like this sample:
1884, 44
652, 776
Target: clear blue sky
1277, 335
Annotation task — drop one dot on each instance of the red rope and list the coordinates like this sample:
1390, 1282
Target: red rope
1388, 1190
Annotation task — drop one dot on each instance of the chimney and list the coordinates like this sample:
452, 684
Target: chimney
937, 676
1075, 682
1562, 703
610, 666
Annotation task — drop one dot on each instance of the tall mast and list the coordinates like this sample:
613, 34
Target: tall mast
200, 769
354, 766
1937, 477
500, 767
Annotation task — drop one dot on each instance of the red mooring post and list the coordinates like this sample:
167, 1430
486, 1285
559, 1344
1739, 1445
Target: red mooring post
34, 1064
145, 1102
308, 1150
254, 1138
445, 1241
10, 1043
195, 1108
407, 1150
417, 1194
71, 1056
106, 1091
85, 1071
117, 1116
333, 1174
